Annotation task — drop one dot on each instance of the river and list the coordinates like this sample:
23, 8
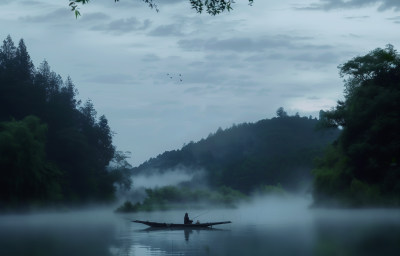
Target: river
263, 227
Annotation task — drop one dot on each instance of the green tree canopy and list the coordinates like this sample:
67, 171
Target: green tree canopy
368, 150
26, 174
368, 67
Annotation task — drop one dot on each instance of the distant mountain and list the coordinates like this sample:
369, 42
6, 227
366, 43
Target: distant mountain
248, 156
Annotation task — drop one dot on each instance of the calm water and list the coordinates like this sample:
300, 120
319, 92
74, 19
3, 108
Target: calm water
265, 227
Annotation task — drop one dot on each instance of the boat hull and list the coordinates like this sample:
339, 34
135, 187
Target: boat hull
174, 225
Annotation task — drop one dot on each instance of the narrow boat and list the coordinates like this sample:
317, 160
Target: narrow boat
173, 225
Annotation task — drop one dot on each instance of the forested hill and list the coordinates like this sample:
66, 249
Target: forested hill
273, 151
53, 150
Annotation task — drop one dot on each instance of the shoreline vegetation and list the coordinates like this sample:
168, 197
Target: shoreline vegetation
175, 198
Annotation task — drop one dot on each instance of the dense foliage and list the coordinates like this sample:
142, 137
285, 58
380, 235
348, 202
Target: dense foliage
248, 156
52, 148
22, 145
362, 167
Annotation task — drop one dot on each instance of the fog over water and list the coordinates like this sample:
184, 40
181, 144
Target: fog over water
154, 179
265, 226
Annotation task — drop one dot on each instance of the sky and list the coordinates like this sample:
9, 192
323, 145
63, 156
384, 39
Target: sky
166, 78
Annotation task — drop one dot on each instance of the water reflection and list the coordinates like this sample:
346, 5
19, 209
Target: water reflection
357, 232
174, 241
186, 231
56, 234
102, 233
310, 232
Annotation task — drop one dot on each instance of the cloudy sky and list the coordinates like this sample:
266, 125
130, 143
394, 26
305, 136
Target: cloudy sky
235, 67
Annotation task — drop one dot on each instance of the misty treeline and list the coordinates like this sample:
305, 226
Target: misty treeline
362, 167
249, 156
190, 196
269, 157
175, 197
53, 149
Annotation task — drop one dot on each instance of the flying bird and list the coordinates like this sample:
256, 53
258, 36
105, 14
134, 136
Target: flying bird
171, 76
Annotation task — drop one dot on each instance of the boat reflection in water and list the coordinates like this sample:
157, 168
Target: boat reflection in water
186, 230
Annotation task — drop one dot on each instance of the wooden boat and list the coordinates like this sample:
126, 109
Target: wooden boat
173, 225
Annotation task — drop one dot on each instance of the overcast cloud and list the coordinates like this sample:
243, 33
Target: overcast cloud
382, 5
122, 26
52, 16
167, 30
164, 79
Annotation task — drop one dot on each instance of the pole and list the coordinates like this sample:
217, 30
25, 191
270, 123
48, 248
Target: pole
201, 214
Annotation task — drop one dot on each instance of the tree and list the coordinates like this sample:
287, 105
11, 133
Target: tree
16, 72
104, 140
120, 170
367, 152
26, 175
89, 113
212, 7
8, 53
48, 79
69, 92
24, 63
363, 68
280, 112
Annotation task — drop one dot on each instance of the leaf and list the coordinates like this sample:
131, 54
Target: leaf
77, 14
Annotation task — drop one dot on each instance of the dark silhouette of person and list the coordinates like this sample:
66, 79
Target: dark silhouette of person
186, 220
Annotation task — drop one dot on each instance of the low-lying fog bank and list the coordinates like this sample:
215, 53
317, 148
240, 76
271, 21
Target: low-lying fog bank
275, 226
186, 188
262, 225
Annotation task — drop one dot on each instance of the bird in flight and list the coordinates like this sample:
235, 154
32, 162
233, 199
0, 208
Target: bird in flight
171, 76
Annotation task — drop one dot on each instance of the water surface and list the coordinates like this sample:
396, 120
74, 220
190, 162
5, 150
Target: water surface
265, 227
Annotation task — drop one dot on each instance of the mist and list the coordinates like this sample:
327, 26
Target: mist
88, 232
278, 225
172, 177
158, 179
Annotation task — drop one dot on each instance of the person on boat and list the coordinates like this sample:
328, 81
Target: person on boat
186, 220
